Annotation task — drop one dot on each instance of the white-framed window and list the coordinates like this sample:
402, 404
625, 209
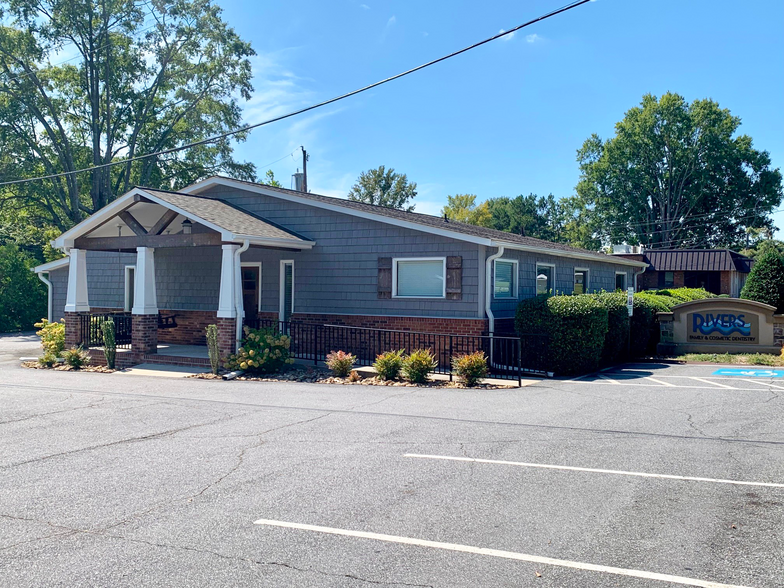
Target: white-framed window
581, 280
251, 280
419, 277
545, 278
286, 290
620, 281
505, 278
130, 286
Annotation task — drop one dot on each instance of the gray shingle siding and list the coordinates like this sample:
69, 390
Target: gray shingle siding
59, 279
340, 274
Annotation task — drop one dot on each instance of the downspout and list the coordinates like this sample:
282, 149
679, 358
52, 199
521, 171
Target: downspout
238, 305
639, 273
49, 295
488, 288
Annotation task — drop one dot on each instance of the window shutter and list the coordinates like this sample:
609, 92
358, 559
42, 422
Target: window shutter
454, 277
385, 277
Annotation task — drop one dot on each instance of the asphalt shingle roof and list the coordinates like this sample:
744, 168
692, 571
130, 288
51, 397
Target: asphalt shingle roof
225, 216
697, 260
432, 221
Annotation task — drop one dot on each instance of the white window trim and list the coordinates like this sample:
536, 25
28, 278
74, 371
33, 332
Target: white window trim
258, 265
542, 264
587, 273
282, 280
394, 276
515, 276
127, 295
625, 279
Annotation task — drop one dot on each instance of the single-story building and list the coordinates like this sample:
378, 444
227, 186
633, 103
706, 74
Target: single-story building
223, 249
720, 271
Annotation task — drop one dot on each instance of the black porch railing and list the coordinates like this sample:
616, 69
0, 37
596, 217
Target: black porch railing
91, 335
508, 357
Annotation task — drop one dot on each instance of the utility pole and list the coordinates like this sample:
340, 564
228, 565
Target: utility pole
304, 169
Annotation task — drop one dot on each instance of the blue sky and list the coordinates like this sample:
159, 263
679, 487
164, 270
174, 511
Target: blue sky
504, 119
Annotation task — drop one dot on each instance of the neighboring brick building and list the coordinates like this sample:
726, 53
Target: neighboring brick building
720, 271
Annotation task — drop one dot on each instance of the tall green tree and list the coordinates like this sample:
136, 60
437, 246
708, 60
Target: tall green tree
676, 174
22, 295
384, 187
533, 216
765, 283
147, 76
463, 208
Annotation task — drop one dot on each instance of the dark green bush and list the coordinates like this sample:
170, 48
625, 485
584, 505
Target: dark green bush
766, 281
644, 326
576, 325
617, 338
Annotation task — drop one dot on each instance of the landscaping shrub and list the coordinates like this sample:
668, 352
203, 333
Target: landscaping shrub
389, 364
576, 325
109, 343
47, 360
470, 367
685, 294
765, 282
212, 348
340, 363
262, 351
617, 338
418, 365
354, 376
52, 337
76, 357
644, 325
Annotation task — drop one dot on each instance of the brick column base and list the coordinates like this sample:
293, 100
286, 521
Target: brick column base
73, 330
226, 335
144, 338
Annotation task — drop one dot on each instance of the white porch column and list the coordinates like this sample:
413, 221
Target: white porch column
228, 283
76, 299
145, 297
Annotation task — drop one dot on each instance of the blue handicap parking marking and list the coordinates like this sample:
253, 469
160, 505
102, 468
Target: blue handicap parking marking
748, 373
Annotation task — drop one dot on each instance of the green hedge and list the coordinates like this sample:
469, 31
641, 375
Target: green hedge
766, 281
686, 294
576, 325
617, 338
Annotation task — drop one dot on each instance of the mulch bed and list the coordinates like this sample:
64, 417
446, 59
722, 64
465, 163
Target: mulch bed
102, 369
313, 376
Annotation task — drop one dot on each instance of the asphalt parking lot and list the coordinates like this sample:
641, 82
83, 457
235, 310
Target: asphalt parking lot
651, 475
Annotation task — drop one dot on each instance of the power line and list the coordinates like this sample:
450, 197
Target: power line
281, 159
246, 128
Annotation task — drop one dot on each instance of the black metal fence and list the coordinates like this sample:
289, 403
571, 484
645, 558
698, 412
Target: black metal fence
508, 357
91, 335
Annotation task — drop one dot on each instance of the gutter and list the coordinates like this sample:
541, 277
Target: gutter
238, 305
48, 294
488, 288
639, 273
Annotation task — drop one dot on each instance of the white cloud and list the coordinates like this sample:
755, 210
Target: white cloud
392, 21
425, 34
508, 37
532, 38
365, 6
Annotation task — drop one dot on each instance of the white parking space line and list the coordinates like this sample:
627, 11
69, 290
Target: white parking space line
711, 382
662, 382
564, 563
606, 379
625, 382
593, 470
768, 384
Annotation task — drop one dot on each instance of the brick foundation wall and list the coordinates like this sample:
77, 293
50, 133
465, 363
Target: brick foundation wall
124, 359
226, 335
145, 333
191, 327
445, 326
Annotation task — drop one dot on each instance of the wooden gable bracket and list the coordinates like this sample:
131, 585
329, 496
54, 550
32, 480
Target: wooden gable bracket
163, 222
131, 221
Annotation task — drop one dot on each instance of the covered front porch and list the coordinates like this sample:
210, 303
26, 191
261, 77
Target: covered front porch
162, 266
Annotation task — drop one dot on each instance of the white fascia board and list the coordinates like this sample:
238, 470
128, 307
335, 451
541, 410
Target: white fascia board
273, 242
570, 254
208, 183
51, 266
66, 239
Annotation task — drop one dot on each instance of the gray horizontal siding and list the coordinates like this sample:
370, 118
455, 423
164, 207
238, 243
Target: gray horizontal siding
340, 274
59, 279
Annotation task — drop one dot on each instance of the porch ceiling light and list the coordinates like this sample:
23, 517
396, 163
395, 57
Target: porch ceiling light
187, 227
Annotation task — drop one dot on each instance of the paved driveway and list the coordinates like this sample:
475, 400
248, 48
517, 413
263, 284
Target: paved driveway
649, 477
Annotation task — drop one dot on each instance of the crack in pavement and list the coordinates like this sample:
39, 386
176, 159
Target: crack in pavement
140, 439
64, 410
